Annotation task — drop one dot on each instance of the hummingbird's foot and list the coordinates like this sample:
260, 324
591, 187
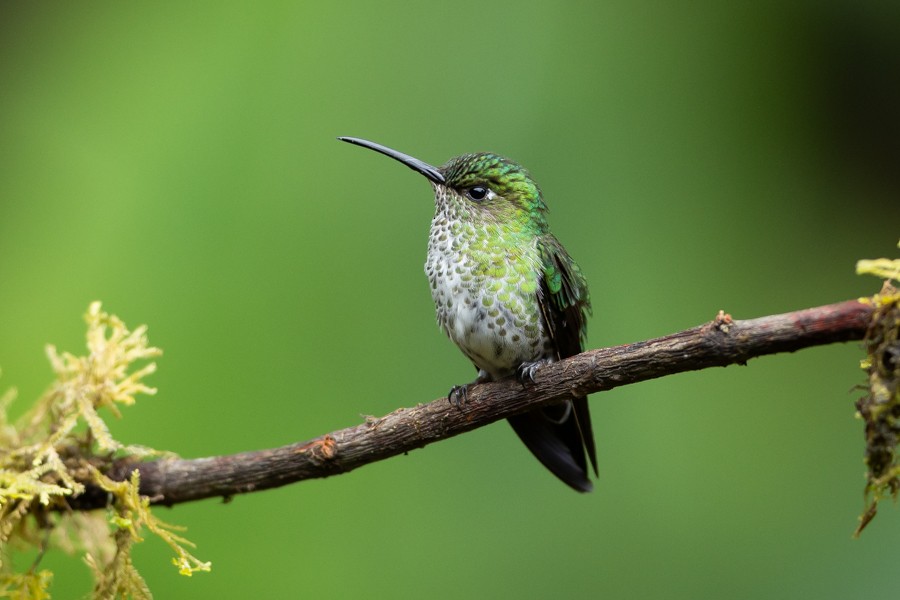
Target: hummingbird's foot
525, 371
459, 395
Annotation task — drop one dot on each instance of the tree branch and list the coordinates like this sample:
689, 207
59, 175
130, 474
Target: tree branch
720, 342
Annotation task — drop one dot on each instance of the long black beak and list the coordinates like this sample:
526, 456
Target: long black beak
415, 164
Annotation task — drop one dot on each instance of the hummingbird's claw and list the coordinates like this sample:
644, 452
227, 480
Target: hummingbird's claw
526, 370
459, 395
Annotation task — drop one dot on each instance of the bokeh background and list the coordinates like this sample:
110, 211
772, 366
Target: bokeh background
178, 162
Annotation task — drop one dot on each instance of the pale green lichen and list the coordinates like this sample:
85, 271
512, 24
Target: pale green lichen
885, 268
880, 408
63, 443
131, 515
26, 586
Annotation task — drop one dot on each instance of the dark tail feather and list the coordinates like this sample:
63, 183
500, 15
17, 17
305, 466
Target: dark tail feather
583, 418
560, 436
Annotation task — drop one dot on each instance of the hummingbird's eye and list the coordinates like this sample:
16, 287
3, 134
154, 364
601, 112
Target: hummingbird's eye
477, 193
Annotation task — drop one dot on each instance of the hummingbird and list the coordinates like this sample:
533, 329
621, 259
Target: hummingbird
507, 294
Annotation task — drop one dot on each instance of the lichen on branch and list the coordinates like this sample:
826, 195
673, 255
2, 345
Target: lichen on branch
63, 441
880, 407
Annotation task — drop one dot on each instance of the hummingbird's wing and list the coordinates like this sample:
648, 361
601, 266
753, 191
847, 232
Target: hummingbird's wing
560, 436
563, 298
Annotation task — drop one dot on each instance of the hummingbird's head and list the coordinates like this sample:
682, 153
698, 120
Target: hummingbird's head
479, 185
493, 184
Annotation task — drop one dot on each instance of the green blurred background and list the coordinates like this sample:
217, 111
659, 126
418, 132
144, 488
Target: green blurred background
179, 163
